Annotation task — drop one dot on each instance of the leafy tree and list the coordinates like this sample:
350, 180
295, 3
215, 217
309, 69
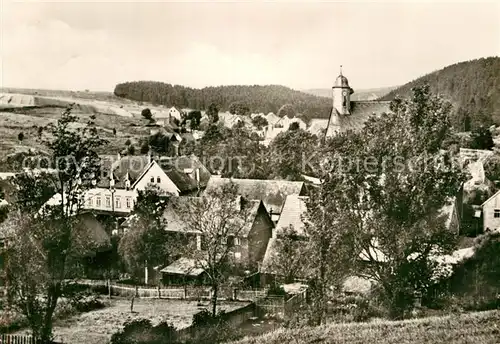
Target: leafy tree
40, 132
146, 113
20, 137
217, 216
128, 142
145, 243
45, 246
239, 108
131, 150
294, 126
288, 262
259, 122
294, 153
114, 131
287, 110
386, 197
213, 113
194, 118
145, 147
482, 139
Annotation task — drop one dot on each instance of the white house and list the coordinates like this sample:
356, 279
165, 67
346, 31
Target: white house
174, 112
121, 180
491, 213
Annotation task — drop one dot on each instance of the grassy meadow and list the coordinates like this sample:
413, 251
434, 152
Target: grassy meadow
471, 328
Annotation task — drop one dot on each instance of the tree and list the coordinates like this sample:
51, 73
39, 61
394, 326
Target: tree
239, 108
145, 242
20, 137
131, 150
47, 243
114, 131
385, 187
145, 147
217, 217
287, 110
259, 122
40, 132
294, 126
146, 113
213, 113
194, 118
288, 262
482, 139
294, 153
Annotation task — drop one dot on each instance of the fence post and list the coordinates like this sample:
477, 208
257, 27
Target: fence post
185, 292
235, 294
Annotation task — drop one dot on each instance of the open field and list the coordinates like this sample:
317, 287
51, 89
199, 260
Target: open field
472, 328
97, 327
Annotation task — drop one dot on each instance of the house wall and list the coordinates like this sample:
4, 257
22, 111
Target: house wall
258, 237
119, 198
489, 220
165, 183
173, 112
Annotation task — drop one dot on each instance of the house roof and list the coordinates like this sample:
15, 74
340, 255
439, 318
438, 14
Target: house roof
133, 166
361, 111
317, 126
491, 198
184, 164
272, 192
292, 214
184, 266
272, 118
174, 216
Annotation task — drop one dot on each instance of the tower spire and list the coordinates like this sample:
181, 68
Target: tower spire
340, 69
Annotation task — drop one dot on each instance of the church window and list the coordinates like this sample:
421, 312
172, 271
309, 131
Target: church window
344, 101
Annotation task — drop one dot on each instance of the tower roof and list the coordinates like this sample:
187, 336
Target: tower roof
341, 81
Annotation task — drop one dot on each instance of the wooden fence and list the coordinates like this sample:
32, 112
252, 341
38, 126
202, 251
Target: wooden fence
186, 292
292, 304
16, 339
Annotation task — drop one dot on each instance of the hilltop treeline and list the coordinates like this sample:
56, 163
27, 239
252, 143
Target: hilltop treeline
258, 99
473, 87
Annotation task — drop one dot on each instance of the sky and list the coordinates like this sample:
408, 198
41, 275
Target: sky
77, 45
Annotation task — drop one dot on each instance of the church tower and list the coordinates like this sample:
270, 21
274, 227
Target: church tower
342, 95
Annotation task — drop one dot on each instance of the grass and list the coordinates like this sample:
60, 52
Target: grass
97, 327
480, 328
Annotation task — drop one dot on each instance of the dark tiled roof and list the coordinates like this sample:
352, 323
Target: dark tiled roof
272, 192
184, 163
361, 111
134, 165
173, 214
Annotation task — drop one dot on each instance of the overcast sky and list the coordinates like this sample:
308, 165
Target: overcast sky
89, 45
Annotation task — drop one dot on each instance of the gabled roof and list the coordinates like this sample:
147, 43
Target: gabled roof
132, 166
292, 215
184, 266
495, 195
176, 223
184, 164
361, 111
272, 192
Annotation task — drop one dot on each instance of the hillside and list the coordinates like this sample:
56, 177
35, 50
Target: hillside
473, 87
362, 94
264, 99
472, 328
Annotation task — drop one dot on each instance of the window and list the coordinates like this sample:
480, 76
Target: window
496, 213
118, 202
152, 180
237, 255
90, 202
344, 101
128, 202
108, 202
98, 201
230, 241
158, 180
237, 241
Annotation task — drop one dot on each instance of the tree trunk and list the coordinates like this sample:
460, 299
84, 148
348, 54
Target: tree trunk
132, 304
214, 300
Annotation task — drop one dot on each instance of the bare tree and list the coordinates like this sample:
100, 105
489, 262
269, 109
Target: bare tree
217, 218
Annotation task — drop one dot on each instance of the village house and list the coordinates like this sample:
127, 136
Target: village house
122, 178
248, 246
491, 213
271, 192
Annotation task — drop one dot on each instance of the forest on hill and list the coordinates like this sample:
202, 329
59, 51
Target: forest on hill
473, 87
265, 99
